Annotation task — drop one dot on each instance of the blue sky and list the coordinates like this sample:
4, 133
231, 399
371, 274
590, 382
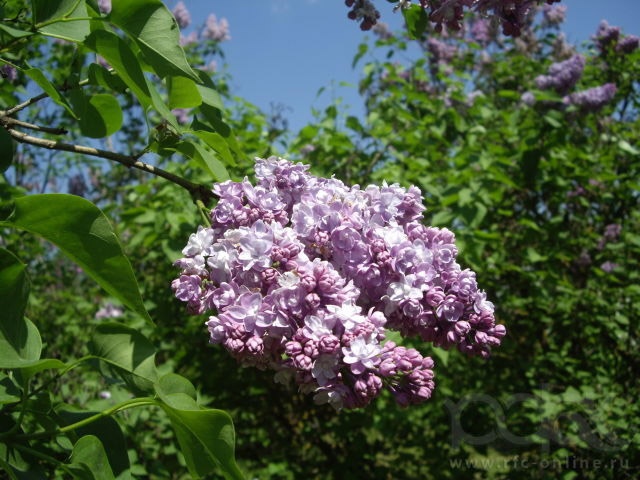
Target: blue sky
284, 51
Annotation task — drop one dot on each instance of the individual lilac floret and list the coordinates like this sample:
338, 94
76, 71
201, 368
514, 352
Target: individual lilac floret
104, 6
302, 275
594, 98
562, 76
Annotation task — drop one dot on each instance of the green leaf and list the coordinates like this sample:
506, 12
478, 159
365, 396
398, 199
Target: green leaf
38, 366
627, 147
7, 150
20, 342
129, 352
183, 93
98, 75
417, 20
205, 159
48, 87
363, 48
100, 115
124, 62
218, 143
66, 19
16, 464
89, 460
106, 429
14, 32
9, 391
84, 234
206, 436
153, 27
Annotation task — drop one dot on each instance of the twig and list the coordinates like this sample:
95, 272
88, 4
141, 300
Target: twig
19, 123
197, 191
25, 104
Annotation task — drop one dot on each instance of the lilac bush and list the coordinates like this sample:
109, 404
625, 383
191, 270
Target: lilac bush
303, 275
512, 14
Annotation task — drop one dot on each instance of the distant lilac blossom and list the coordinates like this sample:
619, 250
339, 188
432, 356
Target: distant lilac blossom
104, 6
481, 31
182, 115
592, 99
363, 11
562, 76
9, 72
182, 15
628, 44
606, 35
215, 29
608, 267
109, 310
303, 275
188, 39
554, 14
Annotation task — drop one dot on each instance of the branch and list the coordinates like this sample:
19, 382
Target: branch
19, 123
197, 191
25, 104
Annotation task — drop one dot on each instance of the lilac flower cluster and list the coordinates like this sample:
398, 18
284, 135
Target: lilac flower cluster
607, 36
562, 76
554, 14
592, 99
304, 274
364, 12
215, 29
182, 15
512, 14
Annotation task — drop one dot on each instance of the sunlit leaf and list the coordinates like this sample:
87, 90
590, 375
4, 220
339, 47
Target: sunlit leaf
84, 234
128, 351
206, 436
153, 27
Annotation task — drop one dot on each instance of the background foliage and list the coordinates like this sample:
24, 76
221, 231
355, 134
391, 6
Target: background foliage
542, 196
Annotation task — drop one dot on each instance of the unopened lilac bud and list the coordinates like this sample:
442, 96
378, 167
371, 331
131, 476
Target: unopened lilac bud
462, 328
255, 345
293, 348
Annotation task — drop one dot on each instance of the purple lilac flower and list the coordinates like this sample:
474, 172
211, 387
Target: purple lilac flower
9, 72
441, 52
215, 29
302, 275
77, 185
628, 44
381, 29
182, 15
363, 11
611, 234
562, 76
594, 98
481, 32
182, 115
554, 14
606, 35
108, 310
104, 6
188, 39
608, 267
528, 98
